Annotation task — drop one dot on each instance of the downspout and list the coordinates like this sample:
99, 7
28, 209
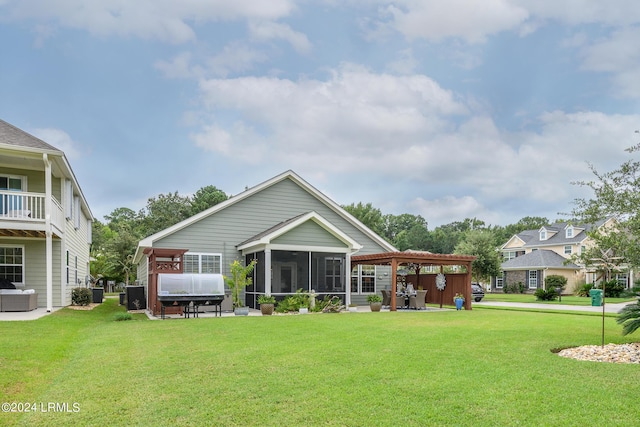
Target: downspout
48, 231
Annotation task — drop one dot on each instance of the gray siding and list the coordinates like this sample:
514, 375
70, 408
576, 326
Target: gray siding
222, 231
35, 268
309, 233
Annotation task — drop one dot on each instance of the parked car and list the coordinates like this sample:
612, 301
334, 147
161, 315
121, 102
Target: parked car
477, 291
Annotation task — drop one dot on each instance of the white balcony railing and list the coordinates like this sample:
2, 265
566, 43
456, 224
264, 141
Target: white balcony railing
29, 207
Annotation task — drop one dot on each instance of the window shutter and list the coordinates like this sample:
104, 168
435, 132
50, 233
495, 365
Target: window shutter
68, 199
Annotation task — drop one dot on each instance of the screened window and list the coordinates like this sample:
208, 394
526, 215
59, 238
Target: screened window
12, 264
533, 279
195, 263
567, 250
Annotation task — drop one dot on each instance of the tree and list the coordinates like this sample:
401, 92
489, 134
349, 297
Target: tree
368, 215
616, 194
239, 280
164, 211
480, 243
393, 225
205, 198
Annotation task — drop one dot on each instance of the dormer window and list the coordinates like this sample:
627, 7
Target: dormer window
543, 234
569, 232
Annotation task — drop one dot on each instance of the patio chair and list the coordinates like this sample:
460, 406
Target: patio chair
417, 301
386, 298
401, 301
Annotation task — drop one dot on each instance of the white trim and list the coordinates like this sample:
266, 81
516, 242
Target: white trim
313, 216
24, 260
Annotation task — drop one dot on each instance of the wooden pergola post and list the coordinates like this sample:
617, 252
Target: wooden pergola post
394, 280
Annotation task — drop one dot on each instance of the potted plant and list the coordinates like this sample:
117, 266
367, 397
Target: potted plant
237, 282
375, 302
267, 303
458, 299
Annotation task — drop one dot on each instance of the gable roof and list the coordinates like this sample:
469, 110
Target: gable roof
556, 235
25, 151
290, 175
535, 260
285, 226
12, 136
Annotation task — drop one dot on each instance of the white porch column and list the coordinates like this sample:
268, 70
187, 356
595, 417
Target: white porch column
267, 271
347, 279
48, 232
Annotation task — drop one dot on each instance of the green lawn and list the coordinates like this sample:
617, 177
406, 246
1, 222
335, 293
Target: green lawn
483, 367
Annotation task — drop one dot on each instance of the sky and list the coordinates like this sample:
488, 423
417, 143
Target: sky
448, 109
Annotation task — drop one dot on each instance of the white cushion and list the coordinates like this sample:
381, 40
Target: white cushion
29, 291
10, 291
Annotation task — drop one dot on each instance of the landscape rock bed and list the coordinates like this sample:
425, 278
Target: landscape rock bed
612, 353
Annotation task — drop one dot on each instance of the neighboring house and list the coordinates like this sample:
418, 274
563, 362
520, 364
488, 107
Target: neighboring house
300, 237
45, 222
533, 255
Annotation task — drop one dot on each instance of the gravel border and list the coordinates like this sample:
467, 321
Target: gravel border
611, 353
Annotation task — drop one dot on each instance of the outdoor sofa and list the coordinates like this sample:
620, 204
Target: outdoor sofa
18, 300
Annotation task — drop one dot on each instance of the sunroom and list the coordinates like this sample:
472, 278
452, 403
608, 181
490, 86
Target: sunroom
305, 253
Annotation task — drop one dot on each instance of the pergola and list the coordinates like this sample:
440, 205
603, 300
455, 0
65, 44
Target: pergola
415, 260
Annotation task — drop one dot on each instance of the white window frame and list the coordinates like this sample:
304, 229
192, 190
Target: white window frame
569, 233
21, 265
533, 278
500, 281
622, 279
200, 255
359, 274
543, 234
568, 250
508, 255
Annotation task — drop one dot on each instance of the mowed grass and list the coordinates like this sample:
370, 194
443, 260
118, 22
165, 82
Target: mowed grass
566, 299
480, 367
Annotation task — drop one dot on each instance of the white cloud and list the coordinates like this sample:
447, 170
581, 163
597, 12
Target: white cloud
166, 20
618, 55
472, 20
235, 57
575, 12
179, 67
268, 30
449, 209
59, 139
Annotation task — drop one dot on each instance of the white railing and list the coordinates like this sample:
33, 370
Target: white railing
23, 206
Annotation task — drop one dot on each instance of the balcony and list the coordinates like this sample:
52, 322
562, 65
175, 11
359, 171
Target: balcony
23, 214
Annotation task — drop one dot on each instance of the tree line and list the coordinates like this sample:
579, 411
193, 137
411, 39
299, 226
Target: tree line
115, 240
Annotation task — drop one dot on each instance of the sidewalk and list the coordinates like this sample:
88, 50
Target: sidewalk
608, 308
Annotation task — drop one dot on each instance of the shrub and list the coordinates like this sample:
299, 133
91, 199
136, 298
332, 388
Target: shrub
294, 302
514, 288
555, 281
119, 317
613, 289
583, 290
546, 295
81, 296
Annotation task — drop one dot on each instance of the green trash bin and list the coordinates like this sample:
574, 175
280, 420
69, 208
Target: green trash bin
596, 297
